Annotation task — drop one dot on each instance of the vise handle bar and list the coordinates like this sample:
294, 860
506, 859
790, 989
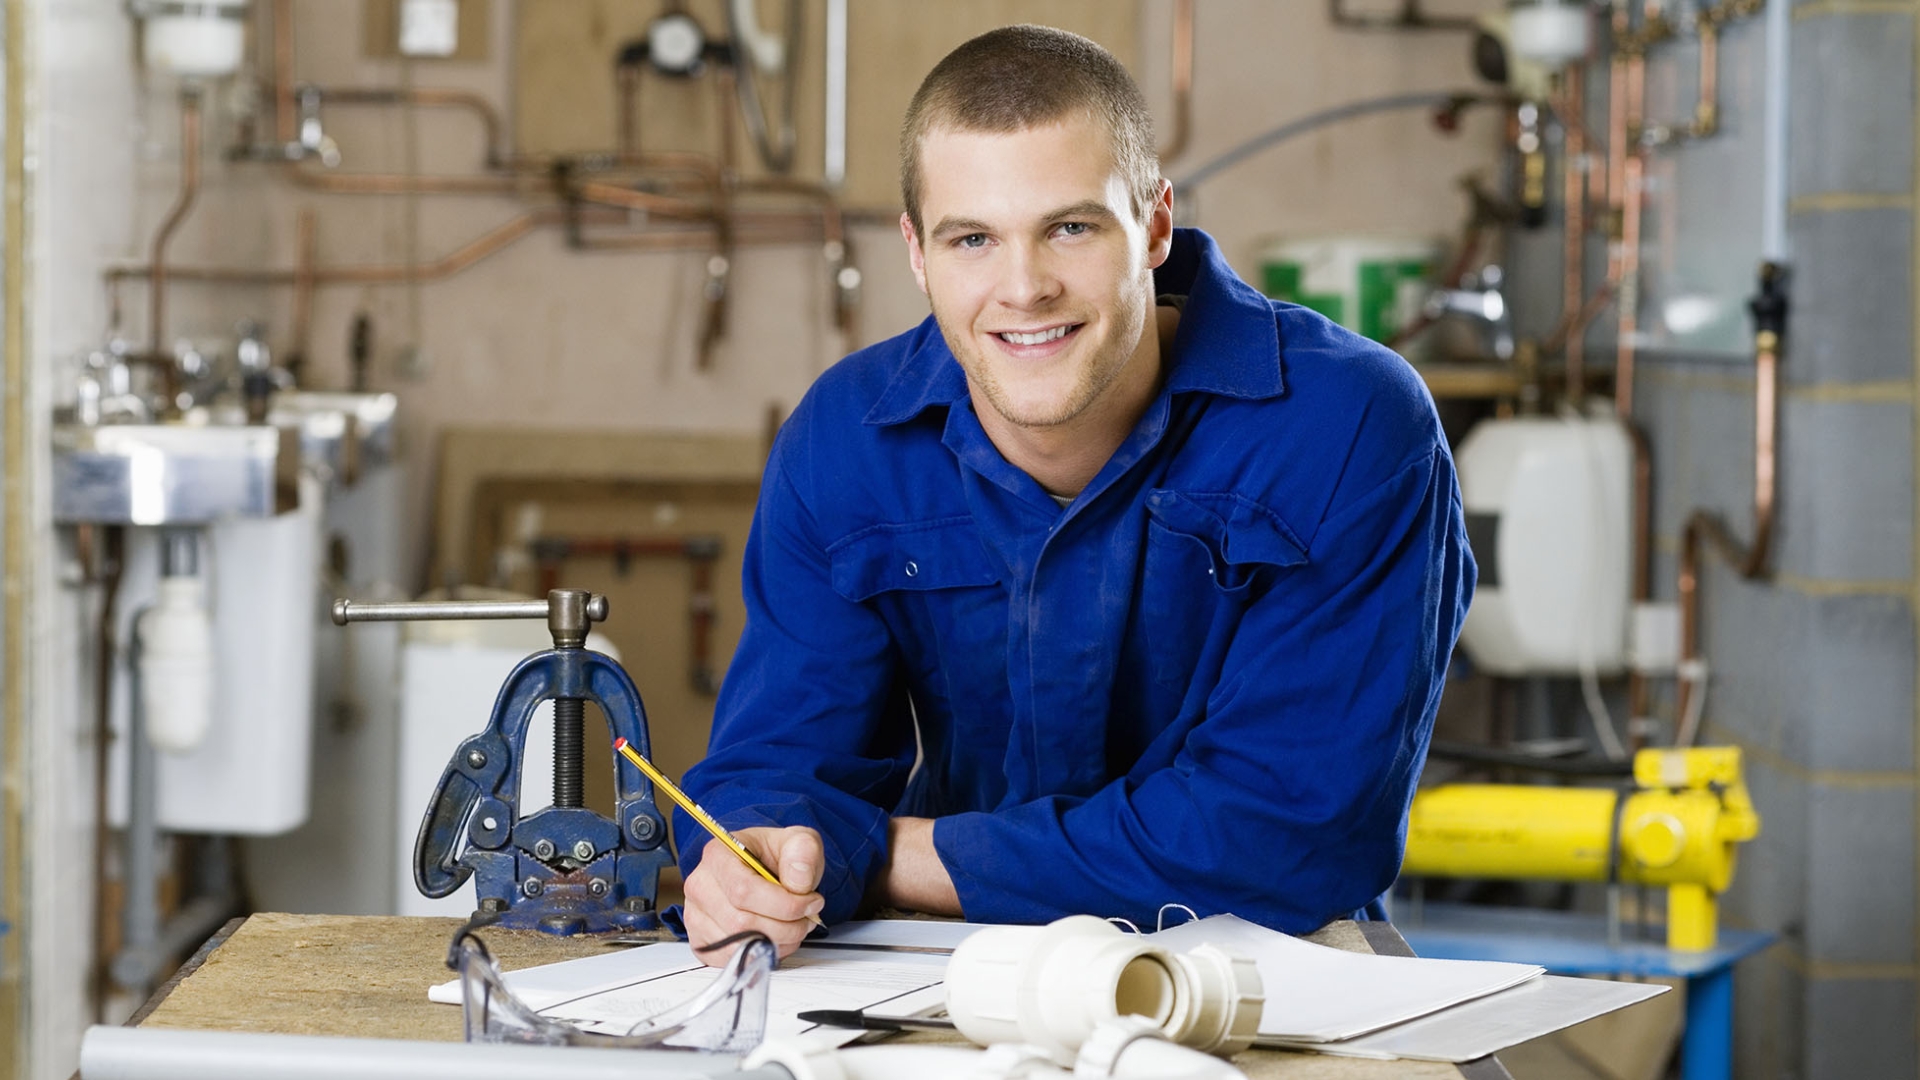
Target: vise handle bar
569, 612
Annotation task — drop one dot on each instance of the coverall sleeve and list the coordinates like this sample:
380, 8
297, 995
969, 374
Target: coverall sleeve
1285, 799
801, 729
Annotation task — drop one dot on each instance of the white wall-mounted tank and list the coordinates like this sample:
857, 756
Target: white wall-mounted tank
1549, 517
204, 39
248, 772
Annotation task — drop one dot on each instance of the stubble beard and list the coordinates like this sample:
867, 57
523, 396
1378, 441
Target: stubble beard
1091, 380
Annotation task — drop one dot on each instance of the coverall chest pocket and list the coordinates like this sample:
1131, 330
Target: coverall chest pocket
1204, 552
937, 587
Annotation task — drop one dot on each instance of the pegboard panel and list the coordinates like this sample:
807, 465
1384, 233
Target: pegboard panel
565, 93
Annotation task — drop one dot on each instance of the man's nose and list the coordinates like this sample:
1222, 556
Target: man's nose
1029, 280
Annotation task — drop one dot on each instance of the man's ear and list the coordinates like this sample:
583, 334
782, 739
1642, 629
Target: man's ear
915, 256
1160, 225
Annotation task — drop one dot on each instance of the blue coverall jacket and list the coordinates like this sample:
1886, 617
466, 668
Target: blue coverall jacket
1209, 680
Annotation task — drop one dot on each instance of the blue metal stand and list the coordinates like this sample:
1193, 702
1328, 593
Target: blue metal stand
1573, 944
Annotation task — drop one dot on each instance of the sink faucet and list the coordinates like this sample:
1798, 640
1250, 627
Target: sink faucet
1479, 299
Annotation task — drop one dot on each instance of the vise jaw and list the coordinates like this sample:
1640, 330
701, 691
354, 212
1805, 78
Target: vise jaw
565, 869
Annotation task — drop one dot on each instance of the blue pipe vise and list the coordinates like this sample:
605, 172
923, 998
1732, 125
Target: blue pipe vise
565, 869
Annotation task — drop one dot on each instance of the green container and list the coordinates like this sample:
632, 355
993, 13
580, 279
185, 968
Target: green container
1374, 286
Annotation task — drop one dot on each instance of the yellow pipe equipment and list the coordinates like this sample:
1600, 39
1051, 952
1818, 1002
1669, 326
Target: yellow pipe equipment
1677, 827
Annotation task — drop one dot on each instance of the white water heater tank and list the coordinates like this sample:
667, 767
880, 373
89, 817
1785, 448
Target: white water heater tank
1549, 517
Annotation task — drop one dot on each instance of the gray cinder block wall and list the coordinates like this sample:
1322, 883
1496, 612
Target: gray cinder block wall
1813, 669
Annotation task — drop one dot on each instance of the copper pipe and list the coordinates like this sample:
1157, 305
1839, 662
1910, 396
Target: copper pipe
1631, 201
1616, 133
285, 122
662, 240
1749, 560
1574, 227
402, 184
475, 250
686, 161
372, 274
1182, 82
1629, 287
521, 170
302, 288
1706, 112
425, 97
832, 218
182, 206
631, 199
1642, 565
1573, 325
689, 239
487, 244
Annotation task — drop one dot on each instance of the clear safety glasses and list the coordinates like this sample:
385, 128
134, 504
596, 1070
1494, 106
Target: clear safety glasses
729, 1016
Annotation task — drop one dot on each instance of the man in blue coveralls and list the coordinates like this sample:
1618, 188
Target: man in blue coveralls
1112, 584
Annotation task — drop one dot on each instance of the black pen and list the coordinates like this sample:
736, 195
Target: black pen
854, 1018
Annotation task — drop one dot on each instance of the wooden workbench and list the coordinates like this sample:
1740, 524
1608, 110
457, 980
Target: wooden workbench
368, 977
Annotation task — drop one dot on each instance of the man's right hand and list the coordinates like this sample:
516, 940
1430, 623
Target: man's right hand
725, 896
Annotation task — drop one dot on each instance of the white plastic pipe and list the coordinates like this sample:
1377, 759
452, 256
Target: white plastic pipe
834, 167
176, 665
118, 1053
1129, 1051
1051, 986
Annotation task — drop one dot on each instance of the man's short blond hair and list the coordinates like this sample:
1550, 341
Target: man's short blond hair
1019, 77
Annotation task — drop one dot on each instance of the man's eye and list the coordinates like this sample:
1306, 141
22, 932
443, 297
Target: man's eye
1074, 228
972, 240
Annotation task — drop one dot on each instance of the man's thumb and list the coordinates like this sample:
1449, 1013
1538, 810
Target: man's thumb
800, 861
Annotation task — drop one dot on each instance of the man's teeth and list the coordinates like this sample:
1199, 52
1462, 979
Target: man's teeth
1039, 338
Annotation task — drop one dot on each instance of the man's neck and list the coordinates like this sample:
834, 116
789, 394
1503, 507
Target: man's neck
1065, 458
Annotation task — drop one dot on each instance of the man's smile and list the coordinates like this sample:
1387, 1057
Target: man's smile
1037, 342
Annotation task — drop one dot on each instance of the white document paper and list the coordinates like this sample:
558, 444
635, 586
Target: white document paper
901, 933
612, 992
1317, 994
1490, 1024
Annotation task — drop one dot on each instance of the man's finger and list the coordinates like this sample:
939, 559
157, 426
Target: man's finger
801, 859
741, 888
705, 927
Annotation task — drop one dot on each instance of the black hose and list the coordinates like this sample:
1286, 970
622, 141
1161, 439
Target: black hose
1487, 755
1427, 99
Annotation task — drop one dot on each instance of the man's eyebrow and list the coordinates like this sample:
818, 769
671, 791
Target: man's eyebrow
1086, 208
958, 227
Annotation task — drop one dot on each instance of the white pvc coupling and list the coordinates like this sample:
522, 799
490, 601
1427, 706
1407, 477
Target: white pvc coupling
176, 666
1051, 986
1130, 1049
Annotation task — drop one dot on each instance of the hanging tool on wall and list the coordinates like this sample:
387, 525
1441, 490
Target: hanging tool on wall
565, 869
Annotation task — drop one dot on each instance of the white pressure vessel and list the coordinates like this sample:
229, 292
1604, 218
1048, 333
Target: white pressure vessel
1548, 504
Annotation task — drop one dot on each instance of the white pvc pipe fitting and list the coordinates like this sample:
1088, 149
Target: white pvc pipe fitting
176, 666
1051, 986
1122, 1049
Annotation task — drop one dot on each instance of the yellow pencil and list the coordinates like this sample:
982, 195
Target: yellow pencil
705, 819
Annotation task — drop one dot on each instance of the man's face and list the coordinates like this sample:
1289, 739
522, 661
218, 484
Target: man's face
1038, 272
